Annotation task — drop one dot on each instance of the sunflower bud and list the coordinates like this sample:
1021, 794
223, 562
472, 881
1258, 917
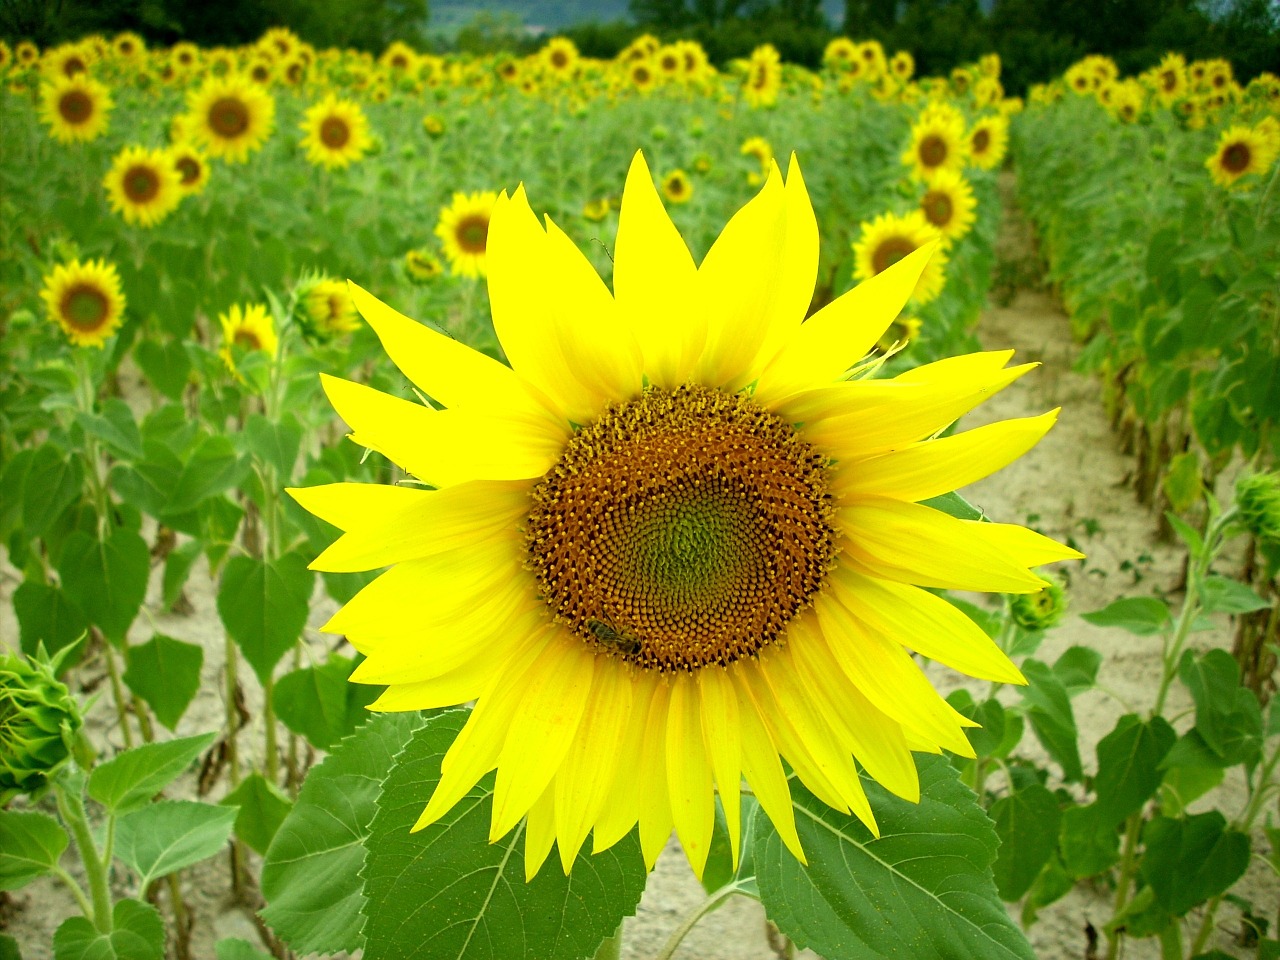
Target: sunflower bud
1040, 611
38, 723
1258, 499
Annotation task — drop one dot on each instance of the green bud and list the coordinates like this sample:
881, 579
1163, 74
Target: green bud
1040, 611
1258, 498
659, 132
38, 723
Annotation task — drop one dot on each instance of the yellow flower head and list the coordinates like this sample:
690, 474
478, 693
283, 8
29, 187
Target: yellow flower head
1241, 151
890, 238
937, 142
676, 187
560, 58
988, 141
903, 65
129, 46
75, 108
763, 81
433, 124
641, 75
192, 167
399, 58
839, 53
948, 204
143, 186
66, 61
327, 310
899, 334
85, 300
244, 330
464, 231
1171, 78
337, 133
231, 117
422, 266
672, 545
596, 210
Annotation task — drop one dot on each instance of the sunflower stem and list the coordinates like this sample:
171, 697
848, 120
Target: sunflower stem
117, 689
1127, 866
71, 809
611, 949
677, 936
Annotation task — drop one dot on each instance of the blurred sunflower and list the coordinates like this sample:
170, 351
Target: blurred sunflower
464, 231
890, 238
327, 310
902, 66
129, 46
988, 141
560, 58
949, 205
143, 186
245, 330
337, 133
232, 117
433, 124
898, 334
1171, 78
676, 187
763, 81
596, 210
937, 142
75, 108
65, 61
1241, 151
85, 300
26, 53
641, 75
192, 167
422, 266
652, 582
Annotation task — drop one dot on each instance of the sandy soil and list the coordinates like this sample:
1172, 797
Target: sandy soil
1073, 481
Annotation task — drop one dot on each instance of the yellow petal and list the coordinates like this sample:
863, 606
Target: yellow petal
654, 801
1025, 546
689, 772
385, 424
842, 332
653, 282
917, 544
721, 736
348, 505
934, 467
540, 833
430, 523
762, 767
447, 690
621, 809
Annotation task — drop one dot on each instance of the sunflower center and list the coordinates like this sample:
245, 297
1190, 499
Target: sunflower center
559, 59
1235, 158
937, 207
72, 66
682, 529
335, 133
933, 150
189, 169
141, 184
1169, 81
247, 340
294, 73
473, 233
675, 187
76, 106
981, 140
889, 252
229, 117
85, 307
640, 75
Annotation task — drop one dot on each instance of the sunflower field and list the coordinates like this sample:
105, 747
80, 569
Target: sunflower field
414, 465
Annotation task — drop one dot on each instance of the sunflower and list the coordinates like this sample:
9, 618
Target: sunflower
676, 187
422, 266
66, 61
260, 71
337, 133
899, 333
245, 330
764, 76
433, 124
26, 53
988, 141
143, 186
75, 108
399, 58
839, 53
85, 300
669, 62
6, 57
903, 65
192, 167
672, 546
233, 117
1171, 78
1241, 151
560, 57
327, 310
596, 210
464, 231
937, 142
641, 75
890, 238
185, 57
948, 204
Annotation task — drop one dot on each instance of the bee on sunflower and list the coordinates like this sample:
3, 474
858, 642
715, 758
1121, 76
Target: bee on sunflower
143, 186
75, 108
85, 300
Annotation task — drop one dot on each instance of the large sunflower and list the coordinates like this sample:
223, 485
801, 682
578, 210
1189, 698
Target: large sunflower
85, 300
890, 238
337, 132
673, 544
75, 108
232, 117
1241, 150
143, 186
937, 142
948, 204
464, 231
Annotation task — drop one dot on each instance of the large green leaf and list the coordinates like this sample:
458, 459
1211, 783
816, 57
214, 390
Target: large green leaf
132, 778
923, 889
445, 891
107, 579
321, 704
1143, 616
1027, 824
1228, 717
1051, 716
310, 878
137, 934
166, 673
262, 808
52, 483
211, 468
275, 442
1129, 772
233, 948
30, 845
47, 615
1191, 859
264, 606
166, 836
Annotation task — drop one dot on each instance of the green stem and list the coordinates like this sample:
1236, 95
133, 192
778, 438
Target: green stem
272, 763
76, 890
1127, 867
1171, 941
71, 809
611, 949
1206, 926
232, 715
673, 942
117, 693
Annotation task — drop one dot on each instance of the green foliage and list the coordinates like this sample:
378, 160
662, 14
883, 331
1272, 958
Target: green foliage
166, 836
30, 845
137, 934
261, 810
1191, 859
1027, 823
166, 674
264, 606
129, 780
320, 704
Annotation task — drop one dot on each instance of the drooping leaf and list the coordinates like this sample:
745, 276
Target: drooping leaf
53, 481
106, 579
1027, 824
1077, 668
262, 808
132, 778
264, 606
1129, 759
1190, 859
1051, 716
320, 704
137, 934
1227, 715
171, 834
1224, 595
177, 568
1143, 616
30, 845
166, 674
923, 889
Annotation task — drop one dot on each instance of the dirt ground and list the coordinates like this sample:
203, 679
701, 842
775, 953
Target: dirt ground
1073, 481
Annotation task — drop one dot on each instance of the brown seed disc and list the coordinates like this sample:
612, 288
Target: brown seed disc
229, 117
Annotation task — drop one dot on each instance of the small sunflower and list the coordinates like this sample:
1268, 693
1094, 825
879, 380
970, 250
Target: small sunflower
1241, 151
327, 310
763, 81
245, 330
129, 46
902, 66
433, 124
422, 266
1171, 78
988, 141
192, 167
26, 53
937, 142
233, 117
464, 231
399, 58
560, 58
596, 210
75, 108
671, 546
899, 334
839, 53
948, 204
66, 61
337, 133
85, 300
641, 75
143, 186
890, 238
676, 187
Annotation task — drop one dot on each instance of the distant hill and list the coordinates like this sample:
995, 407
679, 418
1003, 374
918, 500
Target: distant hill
552, 15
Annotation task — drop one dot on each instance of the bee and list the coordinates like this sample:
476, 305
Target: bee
611, 638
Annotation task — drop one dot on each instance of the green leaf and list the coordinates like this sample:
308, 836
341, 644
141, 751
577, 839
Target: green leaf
1050, 886
1227, 715
167, 367
320, 704
481, 906
30, 845
1129, 759
211, 469
1183, 785
137, 934
233, 948
1027, 824
171, 834
1224, 595
1088, 845
133, 777
106, 579
264, 606
9, 949
1189, 860
1188, 534
1183, 481
1143, 616
52, 483
46, 615
262, 808
1051, 716
275, 442
923, 889
956, 506
146, 485
177, 568
166, 673
1142, 916
310, 877
1077, 668
115, 427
